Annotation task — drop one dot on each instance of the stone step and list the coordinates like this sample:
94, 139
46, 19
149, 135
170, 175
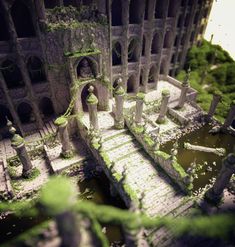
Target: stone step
117, 141
111, 133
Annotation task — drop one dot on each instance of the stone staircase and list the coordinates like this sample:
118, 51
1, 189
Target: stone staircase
48, 128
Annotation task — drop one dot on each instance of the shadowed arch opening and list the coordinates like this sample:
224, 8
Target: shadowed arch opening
167, 39
25, 113
146, 11
36, 69
12, 74
131, 84
135, 11
117, 54
155, 47
86, 68
163, 68
116, 13
172, 8
22, 20
133, 50
84, 95
46, 107
3, 29
143, 46
142, 78
160, 9
152, 74
4, 113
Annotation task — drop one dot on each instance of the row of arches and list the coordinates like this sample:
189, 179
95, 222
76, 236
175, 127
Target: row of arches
136, 8
12, 74
25, 112
134, 49
22, 19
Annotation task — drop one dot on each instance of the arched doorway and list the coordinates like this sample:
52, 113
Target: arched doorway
25, 113
152, 74
12, 75
135, 11
117, 54
84, 95
155, 47
46, 107
116, 13
133, 50
36, 70
167, 39
86, 68
4, 114
131, 84
22, 20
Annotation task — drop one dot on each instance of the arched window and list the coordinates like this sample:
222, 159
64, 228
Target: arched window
116, 12
4, 114
167, 40
143, 46
86, 69
116, 54
25, 113
146, 12
3, 29
152, 74
133, 50
131, 84
12, 74
135, 11
160, 9
22, 20
155, 47
46, 107
172, 8
36, 70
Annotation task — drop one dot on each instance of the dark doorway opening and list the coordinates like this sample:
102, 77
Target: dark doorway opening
46, 107
84, 95
116, 13
160, 9
36, 70
3, 29
152, 75
85, 69
155, 47
117, 54
143, 46
25, 113
135, 12
131, 84
133, 50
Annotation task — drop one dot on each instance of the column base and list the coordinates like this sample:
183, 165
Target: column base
161, 120
119, 124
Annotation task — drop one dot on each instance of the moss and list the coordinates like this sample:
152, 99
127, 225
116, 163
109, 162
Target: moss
119, 90
148, 140
130, 192
34, 173
17, 140
91, 99
12, 172
165, 92
60, 121
105, 158
138, 129
180, 170
14, 161
163, 155
79, 53
140, 96
117, 176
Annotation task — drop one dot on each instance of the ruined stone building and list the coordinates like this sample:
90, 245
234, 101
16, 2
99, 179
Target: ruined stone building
51, 50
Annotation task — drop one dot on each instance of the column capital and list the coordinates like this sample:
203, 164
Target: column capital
91, 98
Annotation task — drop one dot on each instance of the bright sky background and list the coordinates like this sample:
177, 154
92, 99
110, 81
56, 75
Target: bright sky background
222, 24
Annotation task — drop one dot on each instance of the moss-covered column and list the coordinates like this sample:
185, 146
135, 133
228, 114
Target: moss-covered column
215, 194
17, 142
119, 94
215, 101
92, 102
163, 109
139, 107
231, 115
62, 123
184, 90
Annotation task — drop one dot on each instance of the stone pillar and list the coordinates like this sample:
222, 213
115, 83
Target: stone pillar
231, 115
215, 101
40, 8
92, 102
139, 107
184, 90
62, 123
163, 108
119, 94
215, 193
17, 142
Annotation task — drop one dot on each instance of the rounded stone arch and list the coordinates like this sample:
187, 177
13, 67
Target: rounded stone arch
168, 39
4, 114
91, 63
36, 69
117, 53
156, 41
131, 83
152, 74
11, 74
22, 19
163, 67
116, 12
85, 93
46, 107
133, 50
25, 112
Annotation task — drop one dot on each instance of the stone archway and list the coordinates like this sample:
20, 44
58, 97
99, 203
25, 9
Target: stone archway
46, 107
36, 69
86, 68
25, 113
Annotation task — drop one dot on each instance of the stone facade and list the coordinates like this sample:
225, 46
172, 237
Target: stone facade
42, 52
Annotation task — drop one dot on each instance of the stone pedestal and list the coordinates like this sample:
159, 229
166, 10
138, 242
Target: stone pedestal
92, 102
183, 95
163, 109
215, 101
215, 194
139, 107
119, 94
231, 116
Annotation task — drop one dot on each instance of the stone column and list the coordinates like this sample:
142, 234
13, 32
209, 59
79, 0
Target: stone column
215, 101
62, 123
17, 142
216, 192
119, 94
92, 102
184, 90
139, 107
163, 108
40, 8
231, 115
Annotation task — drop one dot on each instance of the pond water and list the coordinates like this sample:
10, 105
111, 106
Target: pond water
97, 190
203, 138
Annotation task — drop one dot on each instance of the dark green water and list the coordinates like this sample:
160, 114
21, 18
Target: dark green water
203, 138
